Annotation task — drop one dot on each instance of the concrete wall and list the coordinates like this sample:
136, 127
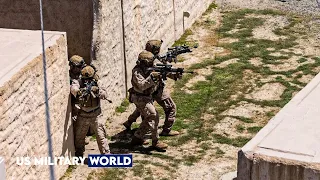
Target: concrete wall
287, 147
2, 169
142, 20
22, 109
95, 30
72, 16
160, 19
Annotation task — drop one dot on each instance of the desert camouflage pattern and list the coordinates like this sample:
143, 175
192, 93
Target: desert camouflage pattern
142, 81
150, 121
153, 46
84, 121
164, 99
145, 86
88, 115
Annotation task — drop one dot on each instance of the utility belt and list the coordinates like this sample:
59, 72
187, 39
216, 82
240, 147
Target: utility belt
132, 91
92, 113
94, 110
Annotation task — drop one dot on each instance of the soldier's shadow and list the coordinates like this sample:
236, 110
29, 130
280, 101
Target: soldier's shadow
121, 144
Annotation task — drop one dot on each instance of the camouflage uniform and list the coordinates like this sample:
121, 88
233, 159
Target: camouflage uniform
161, 96
76, 63
143, 85
89, 113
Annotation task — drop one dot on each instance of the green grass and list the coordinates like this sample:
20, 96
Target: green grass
302, 60
213, 95
205, 146
124, 105
93, 137
237, 142
254, 129
68, 172
191, 159
138, 170
240, 128
108, 174
219, 152
210, 8
183, 38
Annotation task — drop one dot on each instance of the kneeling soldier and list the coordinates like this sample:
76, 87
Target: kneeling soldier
88, 93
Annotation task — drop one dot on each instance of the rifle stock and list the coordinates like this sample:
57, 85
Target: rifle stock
164, 69
173, 52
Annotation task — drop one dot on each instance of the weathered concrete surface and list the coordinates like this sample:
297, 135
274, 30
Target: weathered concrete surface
22, 109
287, 148
143, 20
2, 169
73, 16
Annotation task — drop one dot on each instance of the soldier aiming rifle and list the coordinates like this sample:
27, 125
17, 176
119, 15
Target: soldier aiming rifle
171, 55
164, 69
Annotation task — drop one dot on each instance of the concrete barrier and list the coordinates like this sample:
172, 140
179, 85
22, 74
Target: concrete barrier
22, 110
288, 147
2, 169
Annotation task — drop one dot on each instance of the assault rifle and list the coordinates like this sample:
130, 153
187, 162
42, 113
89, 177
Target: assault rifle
164, 69
87, 91
173, 52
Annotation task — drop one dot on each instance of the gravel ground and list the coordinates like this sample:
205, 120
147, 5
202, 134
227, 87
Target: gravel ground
307, 7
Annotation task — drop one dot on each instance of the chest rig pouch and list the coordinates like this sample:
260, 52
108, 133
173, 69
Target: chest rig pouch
89, 98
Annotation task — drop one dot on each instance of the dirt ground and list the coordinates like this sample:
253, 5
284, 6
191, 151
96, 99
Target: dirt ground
268, 77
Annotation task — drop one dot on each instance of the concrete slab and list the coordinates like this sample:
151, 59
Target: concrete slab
2, 169
291, 138
18, 47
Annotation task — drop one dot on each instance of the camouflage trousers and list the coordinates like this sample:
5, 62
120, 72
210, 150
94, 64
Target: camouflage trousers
82, 124
150, 116
169, 107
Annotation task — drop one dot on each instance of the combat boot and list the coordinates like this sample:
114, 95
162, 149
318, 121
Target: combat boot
159, 146
145, 142
137, 141
127, 124
169, 133
78, 154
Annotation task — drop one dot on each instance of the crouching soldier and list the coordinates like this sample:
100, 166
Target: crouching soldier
144, 84
161, 96
88, 94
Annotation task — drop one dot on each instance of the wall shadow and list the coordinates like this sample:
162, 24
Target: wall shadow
68, 137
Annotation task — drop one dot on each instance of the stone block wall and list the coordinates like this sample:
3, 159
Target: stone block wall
22, 111
142, 20
71, 16
95, 30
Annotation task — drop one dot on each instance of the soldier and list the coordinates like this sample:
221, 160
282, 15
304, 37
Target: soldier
144, 84
161, 96
76, 63
88, 94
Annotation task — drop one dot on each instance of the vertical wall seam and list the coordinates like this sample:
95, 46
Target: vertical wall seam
124, 50
174, 20
95, 6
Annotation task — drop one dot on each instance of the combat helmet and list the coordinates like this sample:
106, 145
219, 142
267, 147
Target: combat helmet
154, 46
145, 58
88, 72
76, 60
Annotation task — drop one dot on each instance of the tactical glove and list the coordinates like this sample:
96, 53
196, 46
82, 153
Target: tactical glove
95, 89
79, 93
156, 76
